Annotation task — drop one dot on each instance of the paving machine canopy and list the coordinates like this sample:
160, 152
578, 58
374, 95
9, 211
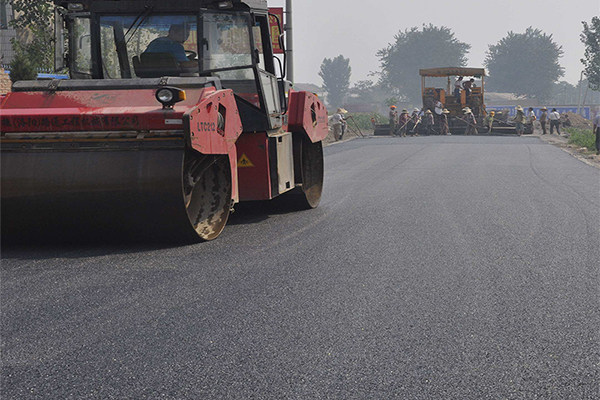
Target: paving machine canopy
453, 71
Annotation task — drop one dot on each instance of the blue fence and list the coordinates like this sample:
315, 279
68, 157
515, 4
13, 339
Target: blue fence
586, 112
52, 76
42, 73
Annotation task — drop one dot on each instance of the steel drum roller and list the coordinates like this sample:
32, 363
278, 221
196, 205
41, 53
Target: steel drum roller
157, 194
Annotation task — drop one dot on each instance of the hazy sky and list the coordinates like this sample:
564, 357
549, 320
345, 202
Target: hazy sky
358, 29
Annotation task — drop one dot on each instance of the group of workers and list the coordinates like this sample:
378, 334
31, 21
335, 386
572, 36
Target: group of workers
553, 117
418, 121
523, 118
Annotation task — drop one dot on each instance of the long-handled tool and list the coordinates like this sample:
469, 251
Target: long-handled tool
403, 126
414, 129
355, 124
469, 124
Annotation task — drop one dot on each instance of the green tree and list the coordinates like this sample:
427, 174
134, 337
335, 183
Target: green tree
591, 38
34, 22
392, 101
368, 93
564, 93
362, 92
336, 79
525, 64
415, 49
21, 69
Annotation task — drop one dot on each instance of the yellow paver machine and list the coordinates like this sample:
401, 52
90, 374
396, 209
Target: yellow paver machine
438, 98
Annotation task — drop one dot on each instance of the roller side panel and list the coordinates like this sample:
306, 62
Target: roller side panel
307, 115
254, 167
213, 125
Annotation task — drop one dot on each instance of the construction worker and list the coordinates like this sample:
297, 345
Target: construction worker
173, 44
444, 128
544, 119
469, 118
520, 120
393, 118
338, 122
467, 87
402, 122
475, 105
428, 122
488, 121
457, 87
413, 123
554, 118
597, 132
531, 118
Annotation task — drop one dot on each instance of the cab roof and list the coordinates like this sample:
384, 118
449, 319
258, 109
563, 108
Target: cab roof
453, 71
177, 5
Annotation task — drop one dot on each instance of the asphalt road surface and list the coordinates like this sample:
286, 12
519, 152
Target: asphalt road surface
434, 268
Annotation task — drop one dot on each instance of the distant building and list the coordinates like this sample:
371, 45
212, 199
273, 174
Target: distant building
312, 88
508, 99
6, 33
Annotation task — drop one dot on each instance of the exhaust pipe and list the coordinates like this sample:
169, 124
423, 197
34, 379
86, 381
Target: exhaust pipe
289, 42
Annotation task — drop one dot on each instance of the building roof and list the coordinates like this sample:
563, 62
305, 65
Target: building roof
309, 87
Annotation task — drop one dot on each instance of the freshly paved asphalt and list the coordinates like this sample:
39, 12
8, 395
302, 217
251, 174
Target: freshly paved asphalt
434, 268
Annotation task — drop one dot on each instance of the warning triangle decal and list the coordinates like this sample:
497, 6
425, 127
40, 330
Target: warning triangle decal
244, 161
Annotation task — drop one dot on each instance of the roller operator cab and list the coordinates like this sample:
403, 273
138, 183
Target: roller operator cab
174, 112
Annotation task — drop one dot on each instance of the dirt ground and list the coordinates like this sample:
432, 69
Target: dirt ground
351, 133
572, 120
562, 142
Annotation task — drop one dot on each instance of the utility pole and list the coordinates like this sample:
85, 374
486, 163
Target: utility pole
579, 98
289, 41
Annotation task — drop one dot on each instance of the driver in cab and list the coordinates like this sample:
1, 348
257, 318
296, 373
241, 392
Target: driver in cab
173, 44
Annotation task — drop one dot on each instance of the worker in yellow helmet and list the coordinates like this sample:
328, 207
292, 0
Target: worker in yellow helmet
393, 118
489, 120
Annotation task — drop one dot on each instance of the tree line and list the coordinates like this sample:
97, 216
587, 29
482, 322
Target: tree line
525, 64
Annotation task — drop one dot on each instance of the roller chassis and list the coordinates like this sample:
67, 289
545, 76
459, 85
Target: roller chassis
102, 156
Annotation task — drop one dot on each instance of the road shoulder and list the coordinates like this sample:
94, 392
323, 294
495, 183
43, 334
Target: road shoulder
562, 142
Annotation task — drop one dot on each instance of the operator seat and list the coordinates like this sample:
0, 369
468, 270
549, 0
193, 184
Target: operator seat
155, 65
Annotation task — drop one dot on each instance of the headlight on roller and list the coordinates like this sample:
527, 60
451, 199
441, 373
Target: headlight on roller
167, 96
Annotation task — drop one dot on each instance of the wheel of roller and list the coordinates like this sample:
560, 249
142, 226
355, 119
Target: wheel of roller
310, 169
207, 193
